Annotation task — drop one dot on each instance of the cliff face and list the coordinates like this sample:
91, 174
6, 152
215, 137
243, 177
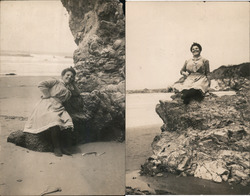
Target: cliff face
98, 28
207, 139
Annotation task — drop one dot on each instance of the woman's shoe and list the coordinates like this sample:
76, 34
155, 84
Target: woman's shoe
58, 152
66, 152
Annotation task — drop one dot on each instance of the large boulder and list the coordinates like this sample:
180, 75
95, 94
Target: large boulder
98, 28
208, 139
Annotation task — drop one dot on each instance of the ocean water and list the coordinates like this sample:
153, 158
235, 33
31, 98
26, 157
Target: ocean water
140, 109
33, 64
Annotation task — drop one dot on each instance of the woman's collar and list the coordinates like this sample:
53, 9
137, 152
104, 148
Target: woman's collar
197, 58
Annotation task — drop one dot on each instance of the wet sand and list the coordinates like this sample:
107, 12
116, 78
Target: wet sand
25, 172
138, 145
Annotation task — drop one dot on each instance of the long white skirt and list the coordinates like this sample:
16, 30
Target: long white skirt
46, 114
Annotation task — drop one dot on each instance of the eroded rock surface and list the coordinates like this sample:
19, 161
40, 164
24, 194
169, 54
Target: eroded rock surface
98, 28
207, 139
230, 77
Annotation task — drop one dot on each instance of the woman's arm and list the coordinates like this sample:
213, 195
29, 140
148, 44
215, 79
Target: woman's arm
44, 87
207, 70
184, 70
207, 67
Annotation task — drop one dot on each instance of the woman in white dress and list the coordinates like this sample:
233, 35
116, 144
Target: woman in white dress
49, 113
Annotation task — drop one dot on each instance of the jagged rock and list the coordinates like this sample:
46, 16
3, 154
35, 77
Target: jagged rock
98, 28
213, 170
230, 77
211, 113
208, 139
99, 31
237, 71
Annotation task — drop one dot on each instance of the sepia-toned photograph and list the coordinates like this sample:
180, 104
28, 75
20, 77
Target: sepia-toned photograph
124, 97
62, 101
187, 98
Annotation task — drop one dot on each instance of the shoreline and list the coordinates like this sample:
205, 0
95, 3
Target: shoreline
180, 185
28, 76
138, 145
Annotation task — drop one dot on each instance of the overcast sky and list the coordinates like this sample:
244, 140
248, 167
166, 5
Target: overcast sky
159, 36
35, 26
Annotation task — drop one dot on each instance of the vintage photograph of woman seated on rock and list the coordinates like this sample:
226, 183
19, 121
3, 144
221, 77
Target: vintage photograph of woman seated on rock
195, 83
51, 114
187, 98
62, 102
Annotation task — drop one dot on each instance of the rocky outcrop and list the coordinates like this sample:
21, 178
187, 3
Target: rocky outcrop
38, 142
208, 139
229, 77
232, 71
98, 28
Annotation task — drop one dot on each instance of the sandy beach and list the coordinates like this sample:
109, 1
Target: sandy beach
25, 172
138, 145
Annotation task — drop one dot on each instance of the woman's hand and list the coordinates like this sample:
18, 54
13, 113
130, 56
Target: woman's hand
76, 91
185, 73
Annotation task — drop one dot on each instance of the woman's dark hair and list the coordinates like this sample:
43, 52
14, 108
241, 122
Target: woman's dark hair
71, 69
196, 44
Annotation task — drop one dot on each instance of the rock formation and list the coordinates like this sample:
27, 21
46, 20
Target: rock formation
229, 77
208, 139
98, 28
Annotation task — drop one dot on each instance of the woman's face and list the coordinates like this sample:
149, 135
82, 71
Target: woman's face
68, 77
196, 51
